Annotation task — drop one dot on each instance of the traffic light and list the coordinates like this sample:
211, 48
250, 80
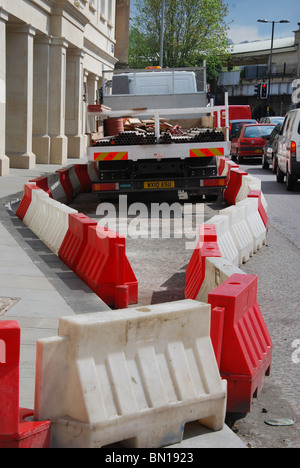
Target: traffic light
264, 91
257, 90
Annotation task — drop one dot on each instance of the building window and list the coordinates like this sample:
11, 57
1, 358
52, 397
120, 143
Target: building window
109, 16
111, 13
103, 9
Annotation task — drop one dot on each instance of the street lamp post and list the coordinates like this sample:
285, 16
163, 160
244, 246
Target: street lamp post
162, 33
271, 57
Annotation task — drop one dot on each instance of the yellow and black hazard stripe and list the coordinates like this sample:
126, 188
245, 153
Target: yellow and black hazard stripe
206, 152
111, 156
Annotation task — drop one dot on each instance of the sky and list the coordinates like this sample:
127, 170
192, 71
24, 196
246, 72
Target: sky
243, 16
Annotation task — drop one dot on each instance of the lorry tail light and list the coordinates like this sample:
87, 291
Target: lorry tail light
102, 187
221, 182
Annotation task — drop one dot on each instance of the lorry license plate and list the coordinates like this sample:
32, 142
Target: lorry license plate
162, 184
258, 151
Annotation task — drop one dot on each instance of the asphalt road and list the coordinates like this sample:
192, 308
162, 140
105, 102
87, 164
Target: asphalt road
278, 269
159, 259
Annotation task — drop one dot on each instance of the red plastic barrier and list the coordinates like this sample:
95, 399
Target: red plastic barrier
84, 177
42, 183
16, 430
95, 169
75, 240
234, 185
51, 184
241, 341
261, 209
221, 167
195, 272
73, 251
216, 332
66, 184
232, 165
104, 267
26, 200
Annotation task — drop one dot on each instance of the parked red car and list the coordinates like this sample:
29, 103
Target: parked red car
250, 141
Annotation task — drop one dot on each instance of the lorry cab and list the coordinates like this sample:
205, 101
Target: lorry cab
288, 154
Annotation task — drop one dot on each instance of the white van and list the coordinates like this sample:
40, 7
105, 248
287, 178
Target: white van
288, 155
153, 83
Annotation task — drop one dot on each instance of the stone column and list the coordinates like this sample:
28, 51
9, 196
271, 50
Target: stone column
85, 125
19, 93
122, 32
4, 160
41, 75
92, 87
74, 104
57, 101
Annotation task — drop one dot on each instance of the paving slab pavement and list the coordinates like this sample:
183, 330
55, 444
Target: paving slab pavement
37, 288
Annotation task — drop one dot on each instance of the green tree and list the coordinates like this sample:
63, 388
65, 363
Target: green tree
194, 30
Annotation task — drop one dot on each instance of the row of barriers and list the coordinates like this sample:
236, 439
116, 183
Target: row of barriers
65, 184
213, 275
239, 183
96, 254
136, 376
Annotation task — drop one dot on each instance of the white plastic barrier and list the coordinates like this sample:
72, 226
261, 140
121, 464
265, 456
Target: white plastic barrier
250, 183
255, 224
229, 164
239, 231
226, 242
41, 226
264, 202
93, 172
74, 181
57, 225
48, 219
134, 376
217, 270
226, 168
36, 215
56, 188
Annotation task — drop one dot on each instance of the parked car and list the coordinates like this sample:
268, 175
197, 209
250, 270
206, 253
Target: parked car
234, 126
270, 149
288, 153
274, 120
250, 141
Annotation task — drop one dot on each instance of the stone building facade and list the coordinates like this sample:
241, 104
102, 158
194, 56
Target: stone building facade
52, 52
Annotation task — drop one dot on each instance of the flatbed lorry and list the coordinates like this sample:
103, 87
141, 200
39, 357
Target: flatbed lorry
133, 162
